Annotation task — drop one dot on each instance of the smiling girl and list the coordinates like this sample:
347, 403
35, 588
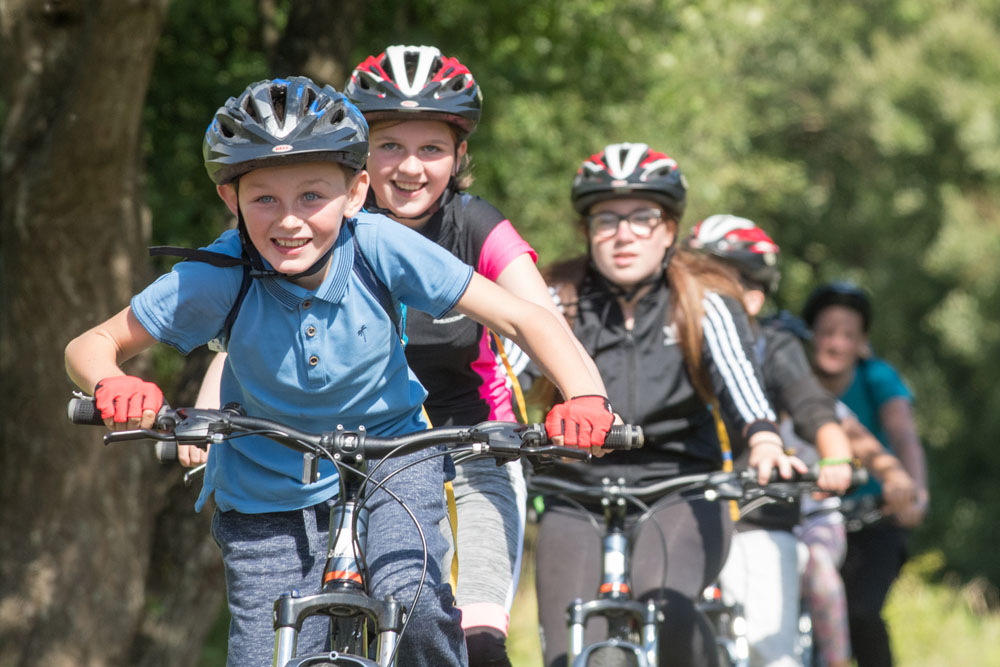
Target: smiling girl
421, 107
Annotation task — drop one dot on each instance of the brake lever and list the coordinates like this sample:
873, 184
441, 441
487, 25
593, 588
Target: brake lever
136, 434
556, 451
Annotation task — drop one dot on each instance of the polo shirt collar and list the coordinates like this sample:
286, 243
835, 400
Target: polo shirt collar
333, 286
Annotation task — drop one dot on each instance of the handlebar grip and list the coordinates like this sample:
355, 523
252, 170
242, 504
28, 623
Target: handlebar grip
84, 411
859, 476
624, 437
166, 451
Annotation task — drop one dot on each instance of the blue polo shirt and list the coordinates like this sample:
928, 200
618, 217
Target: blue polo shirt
309, 358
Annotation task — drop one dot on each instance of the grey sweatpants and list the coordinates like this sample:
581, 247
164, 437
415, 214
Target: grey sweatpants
268, 554
490, 503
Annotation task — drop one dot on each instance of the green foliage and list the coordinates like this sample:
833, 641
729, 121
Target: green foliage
864, 136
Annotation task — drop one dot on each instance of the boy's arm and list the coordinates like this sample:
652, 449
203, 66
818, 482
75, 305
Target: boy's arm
585, 417
534, 329
835, 454
209, 398
97, 355
522, 278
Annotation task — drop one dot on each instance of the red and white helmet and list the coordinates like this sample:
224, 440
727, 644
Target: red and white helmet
416, 81
740, 243
628, 170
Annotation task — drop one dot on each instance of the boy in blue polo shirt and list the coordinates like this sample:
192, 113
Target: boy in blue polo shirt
313, 345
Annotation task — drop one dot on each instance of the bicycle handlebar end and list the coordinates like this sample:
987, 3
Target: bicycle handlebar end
83, 410
624, 437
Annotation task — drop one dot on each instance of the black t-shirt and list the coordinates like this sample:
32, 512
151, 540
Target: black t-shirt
441, 351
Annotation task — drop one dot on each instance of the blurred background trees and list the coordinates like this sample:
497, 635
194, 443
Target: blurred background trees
865, 137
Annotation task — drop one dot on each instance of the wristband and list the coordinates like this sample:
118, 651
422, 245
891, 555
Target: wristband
834, 462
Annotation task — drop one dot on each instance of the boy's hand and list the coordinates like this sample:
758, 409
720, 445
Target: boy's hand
582, 421
126, 401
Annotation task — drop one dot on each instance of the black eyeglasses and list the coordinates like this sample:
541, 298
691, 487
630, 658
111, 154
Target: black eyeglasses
641, 222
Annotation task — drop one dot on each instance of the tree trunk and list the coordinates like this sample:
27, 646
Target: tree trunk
79, 521
318, 39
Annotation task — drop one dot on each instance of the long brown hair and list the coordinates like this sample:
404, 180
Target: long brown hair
690, 275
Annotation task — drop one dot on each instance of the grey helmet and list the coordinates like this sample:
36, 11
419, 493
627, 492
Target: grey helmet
283, 121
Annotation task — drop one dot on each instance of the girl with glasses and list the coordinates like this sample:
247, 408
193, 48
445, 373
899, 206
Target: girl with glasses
673, 343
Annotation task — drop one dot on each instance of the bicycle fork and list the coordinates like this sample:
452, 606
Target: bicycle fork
614, 597
343, 599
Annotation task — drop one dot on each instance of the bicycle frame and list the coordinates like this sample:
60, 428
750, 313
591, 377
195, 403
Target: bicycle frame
614, 601
343, 599
633, 626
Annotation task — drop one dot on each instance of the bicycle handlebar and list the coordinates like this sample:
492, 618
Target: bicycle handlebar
200, 427
733, 485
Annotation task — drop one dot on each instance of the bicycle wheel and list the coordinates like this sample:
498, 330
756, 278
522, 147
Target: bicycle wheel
332, 659
612, 656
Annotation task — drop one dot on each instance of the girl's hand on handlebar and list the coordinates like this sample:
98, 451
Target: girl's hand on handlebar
912, 515
127, 402
834, 478
582, 421
902, 497
767, 453
190, 456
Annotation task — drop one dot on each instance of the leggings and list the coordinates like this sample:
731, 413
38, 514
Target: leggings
823, 589
568, 563
875, 555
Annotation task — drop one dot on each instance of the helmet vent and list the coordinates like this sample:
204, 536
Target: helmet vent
225, 126
310, 96
250, 109
279, 95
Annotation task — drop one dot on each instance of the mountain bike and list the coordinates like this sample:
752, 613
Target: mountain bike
633, 636
364, 632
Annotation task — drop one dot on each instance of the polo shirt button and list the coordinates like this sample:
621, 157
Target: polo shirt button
313, 360
306, 304
311, 331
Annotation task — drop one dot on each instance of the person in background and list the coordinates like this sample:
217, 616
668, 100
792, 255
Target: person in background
670, 338
839, 315
762, 572
421, 107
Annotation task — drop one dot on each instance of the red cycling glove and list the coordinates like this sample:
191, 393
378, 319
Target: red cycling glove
124, 397
583, 421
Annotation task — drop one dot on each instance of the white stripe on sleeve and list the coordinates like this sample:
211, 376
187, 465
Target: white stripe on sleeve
731, 360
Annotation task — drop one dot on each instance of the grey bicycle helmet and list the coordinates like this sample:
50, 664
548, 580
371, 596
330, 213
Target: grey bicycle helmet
416, 81
628, 170
282, 121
